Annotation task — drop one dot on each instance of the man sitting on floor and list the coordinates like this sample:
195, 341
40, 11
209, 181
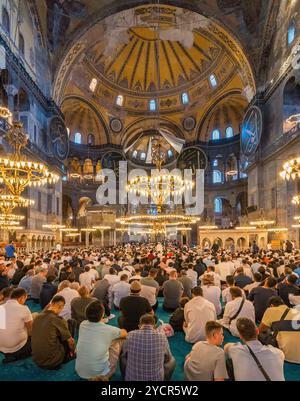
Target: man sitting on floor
15, 329
206, 362
97, 351
52, 343
146, 354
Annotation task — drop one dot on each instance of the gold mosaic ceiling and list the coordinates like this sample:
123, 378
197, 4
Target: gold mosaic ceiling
147, 64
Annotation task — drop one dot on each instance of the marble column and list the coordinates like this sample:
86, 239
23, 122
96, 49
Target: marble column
11, 91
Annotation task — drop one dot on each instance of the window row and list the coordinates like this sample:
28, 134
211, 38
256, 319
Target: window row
216, 134
78, 139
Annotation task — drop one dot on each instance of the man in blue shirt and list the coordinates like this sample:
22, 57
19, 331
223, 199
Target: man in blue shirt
97, 349
10, 250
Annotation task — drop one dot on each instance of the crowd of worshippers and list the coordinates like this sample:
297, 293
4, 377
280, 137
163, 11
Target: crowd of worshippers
253, 296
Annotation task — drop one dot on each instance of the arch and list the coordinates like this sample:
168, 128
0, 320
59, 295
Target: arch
21, 101
229, 132
206, 243
72, 100
229, 243
218, 207
91, 139
218, 241
291, 33
216, 135
77, 138
217, 177
242, 243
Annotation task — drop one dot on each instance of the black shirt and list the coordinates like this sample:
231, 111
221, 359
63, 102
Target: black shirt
261, 296
132, 308
241, 280
284, 290
4, 283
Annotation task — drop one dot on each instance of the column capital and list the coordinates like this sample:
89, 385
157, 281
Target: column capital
11, 90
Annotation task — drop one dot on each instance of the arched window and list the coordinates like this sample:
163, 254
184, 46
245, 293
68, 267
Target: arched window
215, 163
91, 139
218, 205
152, 105
185, 98
291, 33
143, 156
5, 20
229, 132
216, 135
77, 138
217, 177
21, 45
93, 84
134, 154
120, 100
170, 153
213, 81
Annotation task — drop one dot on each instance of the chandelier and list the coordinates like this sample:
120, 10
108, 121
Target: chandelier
291, 169
53, 227
296, 200
18, 173
262, 222
246, 228
277, 229
161, 185
5, 113
9, 202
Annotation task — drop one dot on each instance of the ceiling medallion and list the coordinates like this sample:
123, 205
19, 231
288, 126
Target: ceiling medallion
189, 123
116, 125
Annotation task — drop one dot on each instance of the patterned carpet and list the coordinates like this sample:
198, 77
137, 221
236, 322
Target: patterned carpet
26, 370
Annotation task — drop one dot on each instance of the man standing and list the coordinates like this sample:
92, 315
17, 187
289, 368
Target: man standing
10, 250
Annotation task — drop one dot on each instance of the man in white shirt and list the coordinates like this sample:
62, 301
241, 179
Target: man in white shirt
245, 368
192, 275
211, 271
225, 268
150, 294
69, 294
86, 278
197, 312
118, 291
239, 307
112, 277
15, 327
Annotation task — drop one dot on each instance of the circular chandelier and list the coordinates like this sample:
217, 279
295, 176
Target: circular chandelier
53, 227
9, 202
11, 217
165, 219
18, 173
159, 187
291, 169
296, 200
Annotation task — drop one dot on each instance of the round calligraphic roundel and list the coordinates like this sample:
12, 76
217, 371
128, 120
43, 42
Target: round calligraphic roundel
116, 125
192, 158
59, 138
251, 131
189, 123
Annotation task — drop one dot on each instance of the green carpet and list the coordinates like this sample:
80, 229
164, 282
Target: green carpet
26, 370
